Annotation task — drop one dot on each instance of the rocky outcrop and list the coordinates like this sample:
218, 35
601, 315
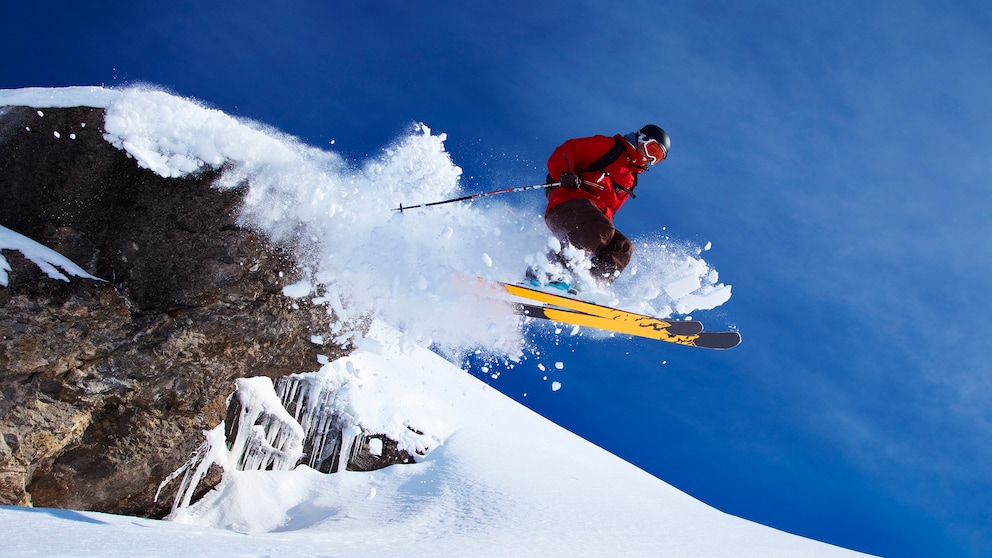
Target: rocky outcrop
106, 387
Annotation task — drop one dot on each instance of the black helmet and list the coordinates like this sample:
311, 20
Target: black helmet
653, 132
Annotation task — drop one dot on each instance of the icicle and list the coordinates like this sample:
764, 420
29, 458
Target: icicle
211, 452
350, 437
267, 435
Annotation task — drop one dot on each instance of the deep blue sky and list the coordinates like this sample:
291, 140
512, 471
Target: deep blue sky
835, 154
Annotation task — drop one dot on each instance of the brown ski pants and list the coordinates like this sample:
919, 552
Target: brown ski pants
582, 224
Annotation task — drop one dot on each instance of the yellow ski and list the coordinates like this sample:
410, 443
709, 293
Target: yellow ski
563, 309
620, 319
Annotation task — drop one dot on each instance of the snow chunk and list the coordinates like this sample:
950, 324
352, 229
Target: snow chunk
670, 278
299, 289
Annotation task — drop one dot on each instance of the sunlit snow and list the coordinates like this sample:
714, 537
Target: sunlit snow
499, 481
493, 477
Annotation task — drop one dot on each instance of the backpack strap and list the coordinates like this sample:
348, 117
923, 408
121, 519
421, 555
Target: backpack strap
599, 165
607, 159
630, 191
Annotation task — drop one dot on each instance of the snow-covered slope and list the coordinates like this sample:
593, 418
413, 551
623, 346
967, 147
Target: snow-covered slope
496, 479
503, 482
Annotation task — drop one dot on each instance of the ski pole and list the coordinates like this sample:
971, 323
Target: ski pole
401, 208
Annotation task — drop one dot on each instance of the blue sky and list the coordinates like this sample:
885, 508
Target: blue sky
835, 154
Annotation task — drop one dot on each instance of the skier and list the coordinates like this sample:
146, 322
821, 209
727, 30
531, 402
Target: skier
596, 176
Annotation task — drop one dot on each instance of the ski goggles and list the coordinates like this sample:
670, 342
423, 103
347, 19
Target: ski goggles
653, 150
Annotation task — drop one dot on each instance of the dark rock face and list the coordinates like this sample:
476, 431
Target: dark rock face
105, 388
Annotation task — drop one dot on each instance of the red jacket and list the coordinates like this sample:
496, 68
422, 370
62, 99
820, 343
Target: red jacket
575, 155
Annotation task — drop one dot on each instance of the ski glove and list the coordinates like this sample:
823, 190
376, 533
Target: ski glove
570, 180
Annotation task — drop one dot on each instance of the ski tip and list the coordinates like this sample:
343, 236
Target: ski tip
719, 340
